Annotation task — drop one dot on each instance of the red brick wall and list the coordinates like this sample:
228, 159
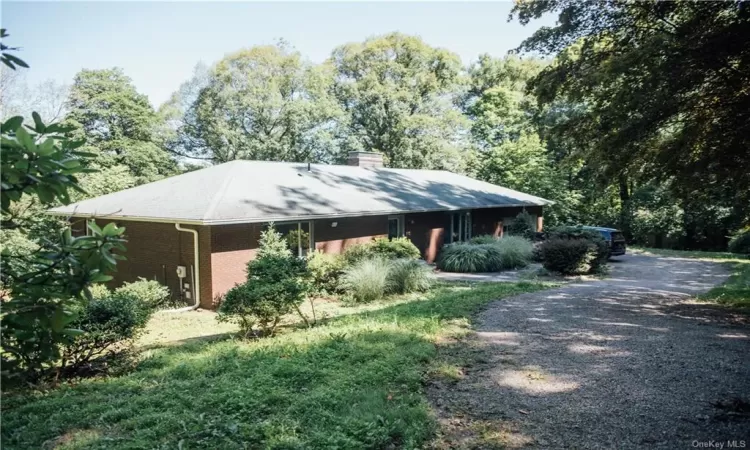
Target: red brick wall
428, 231
233, 246
348, 231
490, 220
154, 250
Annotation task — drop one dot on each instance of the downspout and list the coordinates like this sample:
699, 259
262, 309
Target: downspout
197, 269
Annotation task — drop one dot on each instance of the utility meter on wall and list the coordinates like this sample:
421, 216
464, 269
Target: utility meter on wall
181, 272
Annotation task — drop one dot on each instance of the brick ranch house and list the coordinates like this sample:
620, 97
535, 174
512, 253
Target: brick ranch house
196, 231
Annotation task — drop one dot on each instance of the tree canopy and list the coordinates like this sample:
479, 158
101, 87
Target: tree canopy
664, 89
399, 96
261, 103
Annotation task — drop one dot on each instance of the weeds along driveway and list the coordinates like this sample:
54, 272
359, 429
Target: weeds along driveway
617, 363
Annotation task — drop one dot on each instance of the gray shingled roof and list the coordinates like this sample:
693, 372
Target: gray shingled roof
255, 191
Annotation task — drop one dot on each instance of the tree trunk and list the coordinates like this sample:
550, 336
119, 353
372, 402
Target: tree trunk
625, 207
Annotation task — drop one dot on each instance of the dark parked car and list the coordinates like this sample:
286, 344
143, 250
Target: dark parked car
614, 237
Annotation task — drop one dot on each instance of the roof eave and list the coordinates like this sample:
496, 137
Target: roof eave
279, 219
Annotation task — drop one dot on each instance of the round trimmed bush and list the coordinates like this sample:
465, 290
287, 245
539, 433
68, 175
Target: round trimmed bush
594, 237
396, 248
740, 242
569, 256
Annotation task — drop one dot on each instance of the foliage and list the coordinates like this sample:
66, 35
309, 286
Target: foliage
396, 91
366, 280
152, 293
275, 286
262, 103
655, 97
599, 244
484, 239
44, 287
354, 382
740, 242
118, 124
394, 248
325, 271
295, 237
522, 225
568, 256
515, 252
271, 243
409, 275
400, 247
110, 321
462, 258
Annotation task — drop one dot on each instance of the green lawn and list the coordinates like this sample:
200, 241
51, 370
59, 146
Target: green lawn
353, 382
735, 291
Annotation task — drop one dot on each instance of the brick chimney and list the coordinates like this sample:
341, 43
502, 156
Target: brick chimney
365, 159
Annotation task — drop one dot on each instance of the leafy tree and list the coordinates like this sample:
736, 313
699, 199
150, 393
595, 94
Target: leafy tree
663, 94
504, 130
262, 103
276, 285
398, 94
118, 124
43, 287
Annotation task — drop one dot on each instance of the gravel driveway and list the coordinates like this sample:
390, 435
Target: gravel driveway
619, 363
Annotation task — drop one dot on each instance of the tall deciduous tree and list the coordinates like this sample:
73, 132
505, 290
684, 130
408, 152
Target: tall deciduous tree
504, 131
263, 103
665, 88
399, 95
118, 124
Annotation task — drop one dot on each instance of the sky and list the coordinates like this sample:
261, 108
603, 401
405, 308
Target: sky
158, 44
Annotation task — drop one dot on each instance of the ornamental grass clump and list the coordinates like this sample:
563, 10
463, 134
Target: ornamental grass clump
516, 252
366, 280
409, 275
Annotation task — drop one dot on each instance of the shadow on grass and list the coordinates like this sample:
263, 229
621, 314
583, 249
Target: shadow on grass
353, 382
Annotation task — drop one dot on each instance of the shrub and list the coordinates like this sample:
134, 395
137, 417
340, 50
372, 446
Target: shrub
510, 252
275, 286
409, 275
594, 237
325, 271
462, 257
740, 242
151, 292
366, 280
569, 256
522, 225
484, 239
109, 323
515, 251
382, 247
395, 248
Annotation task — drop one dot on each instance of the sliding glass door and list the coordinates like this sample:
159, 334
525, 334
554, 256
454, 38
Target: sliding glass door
461, 226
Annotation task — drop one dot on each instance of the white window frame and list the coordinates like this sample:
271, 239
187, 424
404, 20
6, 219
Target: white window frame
399, 218
464, 234
311, 241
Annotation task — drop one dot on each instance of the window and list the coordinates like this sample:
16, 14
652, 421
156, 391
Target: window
298, 236
461, 226
395, 226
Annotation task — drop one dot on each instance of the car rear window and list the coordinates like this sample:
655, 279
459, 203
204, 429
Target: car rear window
618, 236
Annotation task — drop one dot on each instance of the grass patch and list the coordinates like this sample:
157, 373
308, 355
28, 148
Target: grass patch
354, 381
735, 291
693, 254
